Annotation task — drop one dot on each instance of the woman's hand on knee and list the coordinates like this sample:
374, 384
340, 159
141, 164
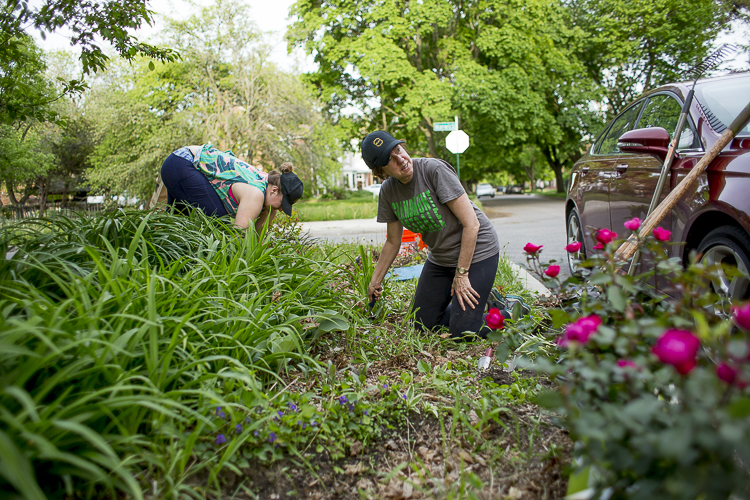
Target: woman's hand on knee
463, 290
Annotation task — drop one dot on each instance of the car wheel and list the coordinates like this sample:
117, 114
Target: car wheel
492, 195
575, 234
728, 246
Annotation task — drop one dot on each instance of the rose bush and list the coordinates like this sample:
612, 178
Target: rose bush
652, 384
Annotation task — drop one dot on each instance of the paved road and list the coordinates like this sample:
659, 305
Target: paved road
518, 219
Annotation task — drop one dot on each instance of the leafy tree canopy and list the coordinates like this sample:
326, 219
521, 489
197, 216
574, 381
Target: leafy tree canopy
89, 21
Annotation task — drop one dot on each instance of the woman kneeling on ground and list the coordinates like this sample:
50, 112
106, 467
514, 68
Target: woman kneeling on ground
425, 195
220, 184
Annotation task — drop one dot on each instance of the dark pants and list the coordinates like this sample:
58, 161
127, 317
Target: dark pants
435, 307
187, 187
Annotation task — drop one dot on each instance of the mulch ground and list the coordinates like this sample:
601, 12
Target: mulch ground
413, 460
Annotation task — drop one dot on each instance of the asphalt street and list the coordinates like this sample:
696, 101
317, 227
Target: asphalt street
518, 219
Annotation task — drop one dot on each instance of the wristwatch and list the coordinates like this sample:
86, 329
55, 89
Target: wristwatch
462, 270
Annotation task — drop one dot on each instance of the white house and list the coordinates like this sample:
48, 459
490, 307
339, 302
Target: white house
354, 172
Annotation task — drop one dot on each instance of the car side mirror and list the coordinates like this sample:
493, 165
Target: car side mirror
652, 140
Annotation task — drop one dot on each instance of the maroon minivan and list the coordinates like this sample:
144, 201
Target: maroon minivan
610, 185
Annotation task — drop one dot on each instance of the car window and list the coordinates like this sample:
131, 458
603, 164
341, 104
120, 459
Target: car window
664, 111
722, 100
622, 124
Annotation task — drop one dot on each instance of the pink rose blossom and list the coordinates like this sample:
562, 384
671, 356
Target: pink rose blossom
626, 363
494, 318
530, 248
742, 316
726, 373
552, 271
581, 330
662, 234
633, 224
605, 236
598, 246
677, 348
573, 247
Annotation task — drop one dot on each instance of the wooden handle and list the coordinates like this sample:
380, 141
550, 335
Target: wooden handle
628, 248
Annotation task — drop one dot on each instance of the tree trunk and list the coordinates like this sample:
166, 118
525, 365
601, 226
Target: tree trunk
557, 167
42, 196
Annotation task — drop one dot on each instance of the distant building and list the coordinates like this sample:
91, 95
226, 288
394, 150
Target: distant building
354, 172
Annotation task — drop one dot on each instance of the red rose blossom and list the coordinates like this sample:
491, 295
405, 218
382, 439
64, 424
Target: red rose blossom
605, 236
633, 224
677, 348
530, 248
494, 318
742, 316
726, 373
662, 234
573, 247
552, 271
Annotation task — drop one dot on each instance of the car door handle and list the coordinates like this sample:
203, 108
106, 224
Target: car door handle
621, 168
584, 170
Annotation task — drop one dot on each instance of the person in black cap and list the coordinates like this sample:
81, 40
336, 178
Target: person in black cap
425, 196
220, 184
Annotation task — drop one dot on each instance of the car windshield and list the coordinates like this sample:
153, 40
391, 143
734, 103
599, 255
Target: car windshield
722, 101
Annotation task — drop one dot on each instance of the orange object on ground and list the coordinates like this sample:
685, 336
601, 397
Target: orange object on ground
409, 237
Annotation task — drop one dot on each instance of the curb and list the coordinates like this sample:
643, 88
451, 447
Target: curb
529, 282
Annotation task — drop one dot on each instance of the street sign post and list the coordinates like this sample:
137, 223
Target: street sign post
444, 126
457, 142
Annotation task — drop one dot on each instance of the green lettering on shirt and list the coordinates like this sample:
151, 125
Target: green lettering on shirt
419, 214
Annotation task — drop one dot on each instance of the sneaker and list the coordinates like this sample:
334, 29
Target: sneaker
514, 304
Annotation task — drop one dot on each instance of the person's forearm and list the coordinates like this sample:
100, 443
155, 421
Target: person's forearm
468, 245
387, 256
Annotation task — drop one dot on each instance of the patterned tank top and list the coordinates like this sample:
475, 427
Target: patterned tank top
222, 169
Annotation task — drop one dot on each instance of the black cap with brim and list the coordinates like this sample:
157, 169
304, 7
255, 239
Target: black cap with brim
291, 191
377, 147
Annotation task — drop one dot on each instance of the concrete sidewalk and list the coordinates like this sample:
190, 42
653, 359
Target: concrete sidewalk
371, 231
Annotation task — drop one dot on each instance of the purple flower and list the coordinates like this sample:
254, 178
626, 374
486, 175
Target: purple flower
366, 412
238, 428
256, 433
404, 396
247, 420
220, 439
299, 422
343, 400
272, 437
281, 413
222, 415
313, 423
351, 407
292, 407
218, 410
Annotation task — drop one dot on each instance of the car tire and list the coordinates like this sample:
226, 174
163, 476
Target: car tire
492, 195
574, 232
728, 245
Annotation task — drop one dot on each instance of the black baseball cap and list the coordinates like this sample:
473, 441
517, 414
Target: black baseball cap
291, 191
377, 147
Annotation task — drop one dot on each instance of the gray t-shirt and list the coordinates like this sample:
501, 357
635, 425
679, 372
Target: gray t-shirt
421, 207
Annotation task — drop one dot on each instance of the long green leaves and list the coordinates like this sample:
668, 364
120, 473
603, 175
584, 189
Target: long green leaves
120, 334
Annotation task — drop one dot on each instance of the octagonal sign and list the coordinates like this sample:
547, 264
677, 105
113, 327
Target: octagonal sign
457, 142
